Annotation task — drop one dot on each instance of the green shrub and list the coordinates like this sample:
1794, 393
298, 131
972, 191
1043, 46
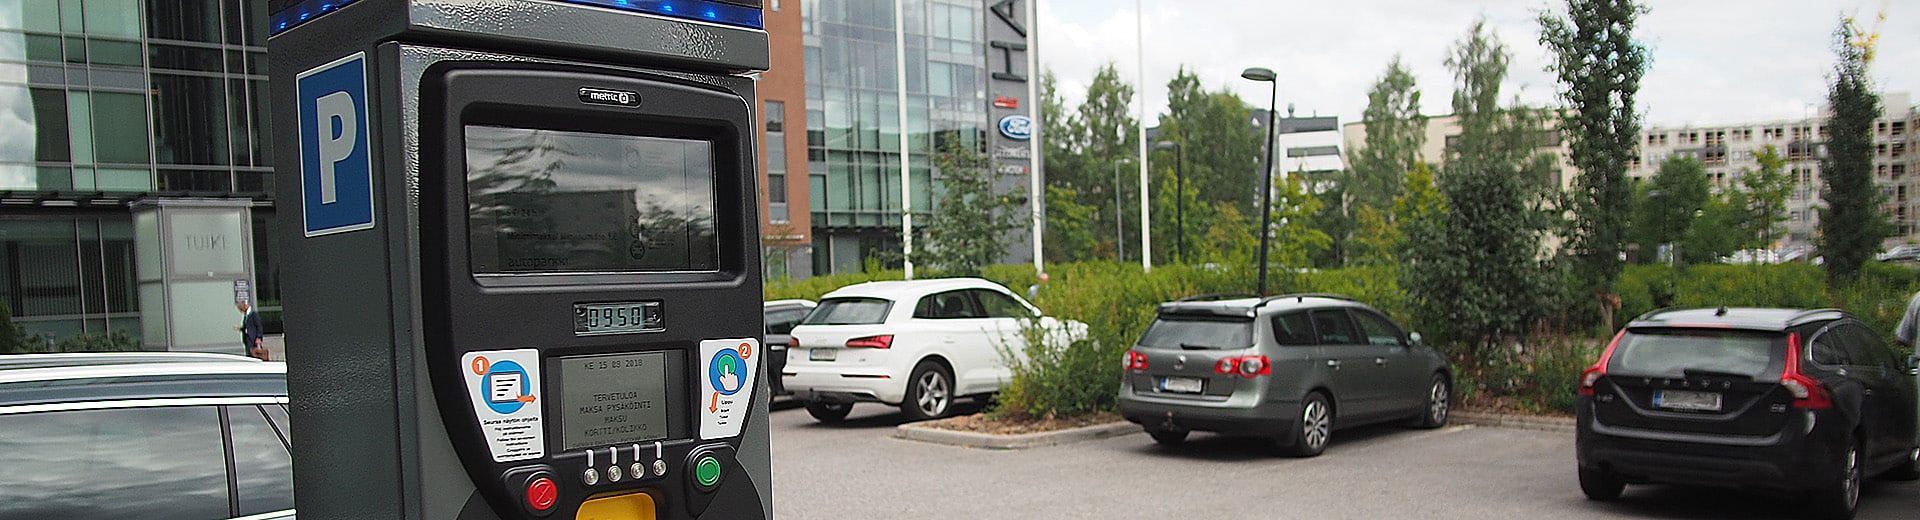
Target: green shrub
1116, 300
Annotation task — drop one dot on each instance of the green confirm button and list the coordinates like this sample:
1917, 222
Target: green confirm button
707, 471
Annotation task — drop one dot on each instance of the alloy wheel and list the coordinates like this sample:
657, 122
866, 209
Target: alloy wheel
933, 397
1314, 425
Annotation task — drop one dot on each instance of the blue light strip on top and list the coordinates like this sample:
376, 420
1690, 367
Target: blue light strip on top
302, 12
703, 10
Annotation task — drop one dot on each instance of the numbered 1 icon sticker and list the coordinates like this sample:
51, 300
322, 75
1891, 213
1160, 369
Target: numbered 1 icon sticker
505, 389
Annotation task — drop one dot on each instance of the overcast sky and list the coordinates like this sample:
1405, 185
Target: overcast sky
1713, 61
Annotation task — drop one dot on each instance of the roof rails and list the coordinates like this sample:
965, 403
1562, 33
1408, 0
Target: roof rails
1215, 296
1304, 296
69, 359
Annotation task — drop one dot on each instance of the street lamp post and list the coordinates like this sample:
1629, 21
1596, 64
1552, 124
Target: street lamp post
1266, 175
1660, 234
1179, 199
1119, 217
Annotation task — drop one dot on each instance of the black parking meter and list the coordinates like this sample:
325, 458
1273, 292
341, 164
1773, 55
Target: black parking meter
523, 276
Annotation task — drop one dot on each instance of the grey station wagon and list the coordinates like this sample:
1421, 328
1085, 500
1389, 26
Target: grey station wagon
1291, 368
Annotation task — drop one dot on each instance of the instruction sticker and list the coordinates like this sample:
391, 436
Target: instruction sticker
505, 389
727, 386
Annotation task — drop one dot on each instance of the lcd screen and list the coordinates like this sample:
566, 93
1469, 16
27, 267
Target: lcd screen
550, 201
613, 399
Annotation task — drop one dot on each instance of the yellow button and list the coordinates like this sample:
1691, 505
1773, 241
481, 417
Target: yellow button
634, 506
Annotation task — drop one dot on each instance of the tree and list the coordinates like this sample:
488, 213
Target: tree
1220, 152
1766, 193
1395, 133
1599, 65
1111, 134
1069, 233
969, 227
1851, 226
1678, 193
1294, 238
1485, 281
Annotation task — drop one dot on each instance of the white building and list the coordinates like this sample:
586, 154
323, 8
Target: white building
1728, 152
1309, 145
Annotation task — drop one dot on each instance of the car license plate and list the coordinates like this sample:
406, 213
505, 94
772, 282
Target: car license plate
821, 354
1684, 400
1184, 385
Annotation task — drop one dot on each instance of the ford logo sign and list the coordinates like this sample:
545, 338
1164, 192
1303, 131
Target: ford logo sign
1017, 127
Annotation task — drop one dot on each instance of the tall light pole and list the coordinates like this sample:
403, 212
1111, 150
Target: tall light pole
1179, 199
1119, 224
1140, 65
1266, 174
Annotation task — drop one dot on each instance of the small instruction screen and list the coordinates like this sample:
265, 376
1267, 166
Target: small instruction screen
613, 399
551, 201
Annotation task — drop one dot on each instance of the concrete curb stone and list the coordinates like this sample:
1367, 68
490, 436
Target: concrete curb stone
923, 433
1523, 422
918, 432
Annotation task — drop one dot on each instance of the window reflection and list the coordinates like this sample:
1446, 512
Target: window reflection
553, 201
109, 464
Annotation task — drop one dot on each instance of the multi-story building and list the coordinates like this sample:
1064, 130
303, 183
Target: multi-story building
1309, 146
1443, 130
1728, 152
132, 131
966, 86
786, 233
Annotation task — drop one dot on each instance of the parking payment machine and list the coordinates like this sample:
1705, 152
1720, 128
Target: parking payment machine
522, 275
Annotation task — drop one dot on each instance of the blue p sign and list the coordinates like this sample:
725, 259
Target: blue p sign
336, 167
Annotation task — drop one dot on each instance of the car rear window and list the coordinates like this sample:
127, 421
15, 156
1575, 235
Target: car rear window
1672, 352
849, 311
1196, 333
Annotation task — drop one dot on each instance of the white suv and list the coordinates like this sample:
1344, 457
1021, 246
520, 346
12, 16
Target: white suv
916, 344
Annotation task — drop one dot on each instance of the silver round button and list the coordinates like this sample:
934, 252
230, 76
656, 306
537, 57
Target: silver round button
660, 468
613, 473
639, 470
591, 477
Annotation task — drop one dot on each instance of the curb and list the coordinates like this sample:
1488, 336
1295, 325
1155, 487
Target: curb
916, 432
1521, 422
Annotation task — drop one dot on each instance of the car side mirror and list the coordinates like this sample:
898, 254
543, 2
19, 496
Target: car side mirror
1913, 364
1413, 337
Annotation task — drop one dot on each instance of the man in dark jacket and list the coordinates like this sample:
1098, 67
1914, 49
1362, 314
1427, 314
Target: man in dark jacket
250, 331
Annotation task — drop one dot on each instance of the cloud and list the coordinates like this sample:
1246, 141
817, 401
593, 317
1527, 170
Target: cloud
1713, 61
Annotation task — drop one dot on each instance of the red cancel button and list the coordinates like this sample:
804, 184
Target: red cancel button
541, 493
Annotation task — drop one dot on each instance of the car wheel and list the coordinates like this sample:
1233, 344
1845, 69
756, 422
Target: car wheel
1907, 471
1168, 436
1439, 403
1600, 485
829, 412
1837, 500
1315, 427
929, 392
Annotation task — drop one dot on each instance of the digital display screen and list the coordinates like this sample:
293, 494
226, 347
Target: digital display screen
616, 318
551, 201
613, 399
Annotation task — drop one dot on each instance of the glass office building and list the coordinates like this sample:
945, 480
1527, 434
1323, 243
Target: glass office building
109, 105
853, 123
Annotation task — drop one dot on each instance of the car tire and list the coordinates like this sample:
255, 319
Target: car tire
1168, 436
1600, 485
929, 392
1313, 428
1439, 404
1839, 499
1904, 472
828, 411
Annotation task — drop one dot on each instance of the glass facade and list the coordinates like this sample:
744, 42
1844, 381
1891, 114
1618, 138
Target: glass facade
104, 102
853, 120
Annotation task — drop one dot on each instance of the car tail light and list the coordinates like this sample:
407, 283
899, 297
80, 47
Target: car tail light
880, 341
1807, 392
1136, 361
1592, 374
1243, 366
1251, 366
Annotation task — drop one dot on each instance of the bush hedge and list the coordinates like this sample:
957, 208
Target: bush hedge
1117, 300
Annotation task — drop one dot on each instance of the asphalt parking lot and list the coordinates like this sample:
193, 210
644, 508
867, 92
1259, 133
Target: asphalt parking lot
858, 470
